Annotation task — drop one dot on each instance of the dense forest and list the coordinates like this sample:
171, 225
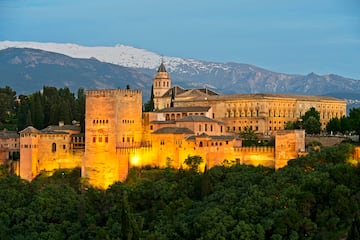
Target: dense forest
315, 197
41, 109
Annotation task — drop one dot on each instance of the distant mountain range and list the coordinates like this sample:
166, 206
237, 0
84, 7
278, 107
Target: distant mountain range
28, 66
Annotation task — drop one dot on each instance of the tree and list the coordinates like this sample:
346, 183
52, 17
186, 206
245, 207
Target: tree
354, 117
149, 105
193, 162
345, 123
80, 108
249, 137
311, 113
333, 126
354, 232
311, 121
7, 106
312, 126
37, 111
23, 112
248, 134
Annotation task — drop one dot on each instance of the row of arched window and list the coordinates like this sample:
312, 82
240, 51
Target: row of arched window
100, 139
126, 121
164, 84
100, 121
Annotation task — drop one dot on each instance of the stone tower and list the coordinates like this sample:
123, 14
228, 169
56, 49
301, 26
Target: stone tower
288, 145
29, 147
113, 122
161, 84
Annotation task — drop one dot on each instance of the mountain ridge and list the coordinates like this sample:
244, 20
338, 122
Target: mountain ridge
137, 67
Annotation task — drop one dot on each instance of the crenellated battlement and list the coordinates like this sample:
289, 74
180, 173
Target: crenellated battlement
253, 149
113, 92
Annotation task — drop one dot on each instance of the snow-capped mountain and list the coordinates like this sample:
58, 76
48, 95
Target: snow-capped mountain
122, 55
142, 64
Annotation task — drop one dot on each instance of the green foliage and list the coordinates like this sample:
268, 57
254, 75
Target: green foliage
313, 197
345, 125
334, 126
193, 162
248, 134
311, 121
290, 125
149, 105
40, 109
354, 117
7, 107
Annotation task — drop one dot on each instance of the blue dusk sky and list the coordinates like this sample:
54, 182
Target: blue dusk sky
290, 36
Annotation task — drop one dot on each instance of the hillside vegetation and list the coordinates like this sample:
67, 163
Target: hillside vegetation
314, 197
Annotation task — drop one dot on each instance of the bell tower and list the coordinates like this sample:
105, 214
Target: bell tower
161, 83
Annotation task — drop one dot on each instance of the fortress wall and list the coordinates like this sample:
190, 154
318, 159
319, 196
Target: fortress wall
29, 145
326, 141
288, 145
264, 156
113, 118
55, 153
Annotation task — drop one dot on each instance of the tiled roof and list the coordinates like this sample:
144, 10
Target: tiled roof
217, 137
30, 129
185, 109
52, 132
61, 128
78, 135
201, 92
163, 122
195, 92
222, 137
5, 134
197, 118
177, 90
162, 68
263, 96
173, 130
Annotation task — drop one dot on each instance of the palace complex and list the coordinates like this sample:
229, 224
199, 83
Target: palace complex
185, 122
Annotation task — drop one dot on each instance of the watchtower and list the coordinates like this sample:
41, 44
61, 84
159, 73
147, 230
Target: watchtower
161, 83
113, 121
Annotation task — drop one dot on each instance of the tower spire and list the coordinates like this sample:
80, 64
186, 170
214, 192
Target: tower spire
162, 66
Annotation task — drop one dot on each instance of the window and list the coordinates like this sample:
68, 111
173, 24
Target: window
100, 139
53, 147
94, 139
106, 139
64, 146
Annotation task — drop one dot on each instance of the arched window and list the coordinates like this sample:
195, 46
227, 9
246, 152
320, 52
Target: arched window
53, 147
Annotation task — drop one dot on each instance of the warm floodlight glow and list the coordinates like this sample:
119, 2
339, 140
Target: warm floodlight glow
135, 160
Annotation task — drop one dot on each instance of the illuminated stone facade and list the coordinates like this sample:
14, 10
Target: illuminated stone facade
10, 149
265, 113
54, 147
113, 122
118, 135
